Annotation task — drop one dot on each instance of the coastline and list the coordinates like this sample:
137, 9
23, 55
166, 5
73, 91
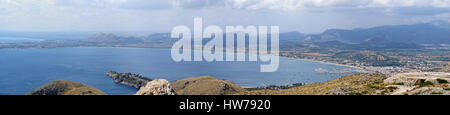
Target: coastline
324, 62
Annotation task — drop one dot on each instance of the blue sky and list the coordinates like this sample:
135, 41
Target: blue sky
307, 16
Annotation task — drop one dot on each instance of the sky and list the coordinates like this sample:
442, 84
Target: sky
306, 16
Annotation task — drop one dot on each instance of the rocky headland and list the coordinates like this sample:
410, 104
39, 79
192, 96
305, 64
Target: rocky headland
133, 80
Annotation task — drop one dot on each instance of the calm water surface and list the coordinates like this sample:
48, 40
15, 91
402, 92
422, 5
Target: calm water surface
22, 70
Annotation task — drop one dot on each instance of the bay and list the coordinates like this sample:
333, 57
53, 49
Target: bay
22, 70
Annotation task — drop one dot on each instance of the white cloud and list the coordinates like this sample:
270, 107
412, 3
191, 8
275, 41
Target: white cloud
305, 4
157, 14
236, 4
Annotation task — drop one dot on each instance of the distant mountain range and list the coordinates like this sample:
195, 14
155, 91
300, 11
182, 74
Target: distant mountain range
112, 38
66, 35
382, 37
436, 32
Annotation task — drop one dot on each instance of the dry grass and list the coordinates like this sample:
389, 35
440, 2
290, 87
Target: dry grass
64, 87
205, 85
352, 84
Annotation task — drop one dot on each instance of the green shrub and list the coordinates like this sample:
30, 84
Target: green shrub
427, 83
373, 87
392, 88
446, 88
442, 81
378, 82
436, 93
354, 93
364, 92
400, 84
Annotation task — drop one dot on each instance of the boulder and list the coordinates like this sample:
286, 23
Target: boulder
157, 87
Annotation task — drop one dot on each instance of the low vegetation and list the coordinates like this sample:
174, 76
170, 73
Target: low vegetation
63, 87
418, 83
347, 85
400, 84
442, 81
426, 83
205, 85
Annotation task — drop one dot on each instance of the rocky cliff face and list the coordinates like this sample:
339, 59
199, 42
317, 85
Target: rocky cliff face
157, 87
63, 87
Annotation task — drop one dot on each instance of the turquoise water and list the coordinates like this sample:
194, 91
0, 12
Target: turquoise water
22, 70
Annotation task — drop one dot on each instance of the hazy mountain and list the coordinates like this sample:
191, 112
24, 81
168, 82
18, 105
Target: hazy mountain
383, 37
46, 35
436, 32
113, 38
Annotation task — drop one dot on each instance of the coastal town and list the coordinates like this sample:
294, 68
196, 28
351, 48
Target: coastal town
363, 67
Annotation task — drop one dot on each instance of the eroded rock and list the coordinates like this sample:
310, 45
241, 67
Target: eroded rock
420, 83
414, 79
157, 87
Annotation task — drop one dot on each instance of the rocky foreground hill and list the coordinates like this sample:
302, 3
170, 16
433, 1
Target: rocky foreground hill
63, 87
347, 85
205, 85
428, 83
431, 83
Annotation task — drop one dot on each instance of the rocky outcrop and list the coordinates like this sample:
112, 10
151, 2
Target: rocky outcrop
157, 87
133, 80
420, 83
429, 91
63, 87
414, 79
205, 85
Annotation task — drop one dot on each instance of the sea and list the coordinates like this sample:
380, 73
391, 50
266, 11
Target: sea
23, 70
